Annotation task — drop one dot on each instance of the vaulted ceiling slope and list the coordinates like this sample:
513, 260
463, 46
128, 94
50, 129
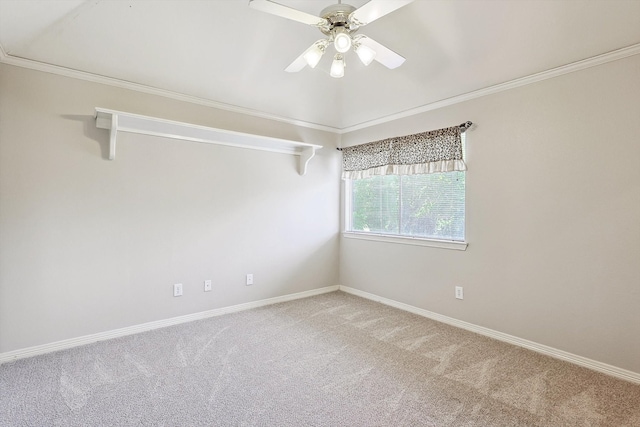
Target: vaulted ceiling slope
226, 53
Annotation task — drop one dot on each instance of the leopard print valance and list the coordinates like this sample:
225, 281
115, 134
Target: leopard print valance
428, 152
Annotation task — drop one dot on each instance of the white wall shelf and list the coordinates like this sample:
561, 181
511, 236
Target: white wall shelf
118, 121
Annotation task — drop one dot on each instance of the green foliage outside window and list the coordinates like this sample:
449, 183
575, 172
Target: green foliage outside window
429, 206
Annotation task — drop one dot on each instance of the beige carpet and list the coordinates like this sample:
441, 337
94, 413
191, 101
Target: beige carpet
330, 360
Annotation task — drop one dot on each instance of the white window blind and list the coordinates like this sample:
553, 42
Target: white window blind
428, 205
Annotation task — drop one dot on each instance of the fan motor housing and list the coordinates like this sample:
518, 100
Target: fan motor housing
338, 16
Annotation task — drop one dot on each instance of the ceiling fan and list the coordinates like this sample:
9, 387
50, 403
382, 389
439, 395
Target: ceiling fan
339, 23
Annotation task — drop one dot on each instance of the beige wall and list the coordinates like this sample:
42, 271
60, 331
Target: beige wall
553, 215
553, 218
90, 245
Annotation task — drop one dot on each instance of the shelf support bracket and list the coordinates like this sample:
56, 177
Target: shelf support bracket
113, 133
306, 154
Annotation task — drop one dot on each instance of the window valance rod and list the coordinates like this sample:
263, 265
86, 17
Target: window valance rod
463, 127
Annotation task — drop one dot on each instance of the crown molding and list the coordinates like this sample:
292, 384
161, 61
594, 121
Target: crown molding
96, 78
523, 81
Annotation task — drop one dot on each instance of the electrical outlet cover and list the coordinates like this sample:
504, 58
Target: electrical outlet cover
177, 290
207, 285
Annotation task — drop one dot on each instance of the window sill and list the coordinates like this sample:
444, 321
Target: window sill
415, 241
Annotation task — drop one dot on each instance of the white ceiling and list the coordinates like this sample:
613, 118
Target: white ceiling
226, 52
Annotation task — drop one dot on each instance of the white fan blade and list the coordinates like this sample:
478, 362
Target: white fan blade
287, 12
376, 9
384, 55
299, 63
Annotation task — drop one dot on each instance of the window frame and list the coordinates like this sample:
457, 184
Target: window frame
395, 238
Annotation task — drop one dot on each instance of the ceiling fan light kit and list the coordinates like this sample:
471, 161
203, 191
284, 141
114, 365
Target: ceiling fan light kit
339, 22
365, 53
341, 40
337, 66
315, 52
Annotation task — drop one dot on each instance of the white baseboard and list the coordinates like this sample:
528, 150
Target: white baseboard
130, 330
540, 348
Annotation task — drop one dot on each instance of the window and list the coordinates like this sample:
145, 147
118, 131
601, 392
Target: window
408, 189
430, 206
